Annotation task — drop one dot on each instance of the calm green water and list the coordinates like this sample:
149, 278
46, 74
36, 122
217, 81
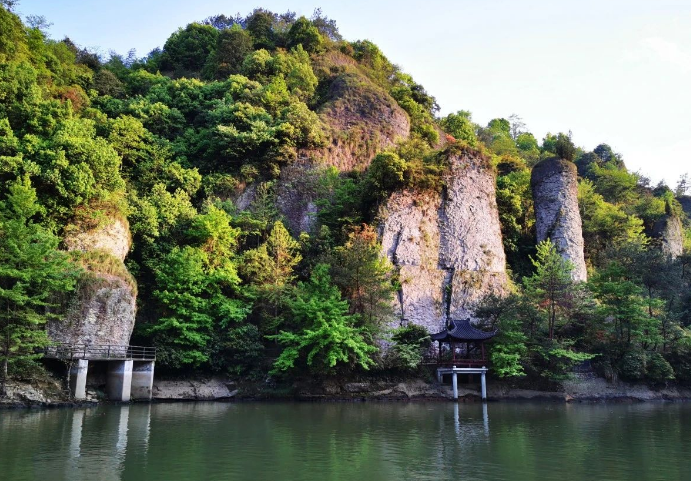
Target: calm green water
372, 441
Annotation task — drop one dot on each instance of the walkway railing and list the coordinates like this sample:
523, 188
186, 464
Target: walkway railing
100, 352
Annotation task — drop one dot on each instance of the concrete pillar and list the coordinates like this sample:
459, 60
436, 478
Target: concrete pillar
119, 382
483, 382
142, 379
78, 372
454, 380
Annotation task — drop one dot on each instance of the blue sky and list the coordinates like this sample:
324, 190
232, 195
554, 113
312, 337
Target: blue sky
610, 71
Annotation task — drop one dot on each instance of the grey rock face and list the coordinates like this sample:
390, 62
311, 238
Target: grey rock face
448, 246
112, 236
670, 234
104, 307
296, 190
102, 312
193, 390
555, 192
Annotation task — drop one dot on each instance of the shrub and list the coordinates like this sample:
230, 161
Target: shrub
410, 344
564, 147
632, 366
658, 369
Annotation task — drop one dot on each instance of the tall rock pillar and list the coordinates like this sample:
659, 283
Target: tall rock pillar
446, 246
555, 192
669, 233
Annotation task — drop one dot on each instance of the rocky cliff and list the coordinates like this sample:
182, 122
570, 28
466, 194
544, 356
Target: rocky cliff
555, 192
669, 233
361, 120
446, 246
112, 236
104, 306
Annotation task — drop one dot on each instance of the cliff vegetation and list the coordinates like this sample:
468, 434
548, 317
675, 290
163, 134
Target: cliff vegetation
267, 197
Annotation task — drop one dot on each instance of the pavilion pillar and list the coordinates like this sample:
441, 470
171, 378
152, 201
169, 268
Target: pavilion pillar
454, 380
483, 383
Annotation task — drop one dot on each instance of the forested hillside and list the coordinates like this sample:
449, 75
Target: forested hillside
243, 170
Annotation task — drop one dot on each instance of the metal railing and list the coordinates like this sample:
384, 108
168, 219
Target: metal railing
100, 352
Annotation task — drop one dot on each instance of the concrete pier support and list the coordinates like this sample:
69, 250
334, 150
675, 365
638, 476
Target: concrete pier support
454, 380
483, 384
119, 382
78, 372
142, 379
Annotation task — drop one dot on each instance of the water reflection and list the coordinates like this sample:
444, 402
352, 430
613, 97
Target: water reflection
387, 441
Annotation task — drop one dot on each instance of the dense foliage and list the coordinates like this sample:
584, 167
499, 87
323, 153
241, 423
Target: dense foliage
171, 141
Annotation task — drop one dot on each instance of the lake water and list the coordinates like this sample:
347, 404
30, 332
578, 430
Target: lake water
348, 441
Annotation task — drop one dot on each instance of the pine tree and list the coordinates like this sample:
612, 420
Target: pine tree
364, 276
270, 268
551, 286
32, 273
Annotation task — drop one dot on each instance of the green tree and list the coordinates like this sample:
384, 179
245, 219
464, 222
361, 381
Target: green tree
551, 286
232, 46
512, 316
564, 147
270, 268
187, 49
304, 33
460, 126
198, 291
387, 172
410, 343
328, 335
260, 26
515, 204
622, 308
33, 273
605, 224
365, 276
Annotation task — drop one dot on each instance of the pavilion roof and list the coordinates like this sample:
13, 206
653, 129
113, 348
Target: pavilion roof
461, 330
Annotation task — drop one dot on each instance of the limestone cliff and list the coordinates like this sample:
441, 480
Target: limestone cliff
104, 306
112, 236
447, 246
669, 233
555, 192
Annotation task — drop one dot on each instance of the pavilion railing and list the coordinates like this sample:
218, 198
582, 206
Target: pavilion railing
100, 352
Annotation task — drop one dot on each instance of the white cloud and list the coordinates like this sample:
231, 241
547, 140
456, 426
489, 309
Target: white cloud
667, 51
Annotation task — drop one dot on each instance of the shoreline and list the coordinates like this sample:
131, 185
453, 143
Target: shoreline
589, 389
